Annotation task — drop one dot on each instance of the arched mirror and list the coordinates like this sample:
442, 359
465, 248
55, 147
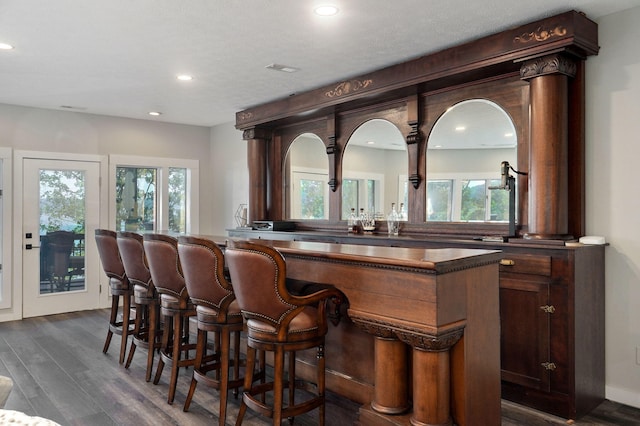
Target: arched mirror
306, 178
374, 170
465, 150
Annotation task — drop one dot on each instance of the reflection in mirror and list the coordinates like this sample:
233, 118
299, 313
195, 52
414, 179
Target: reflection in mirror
306, 177
465, 150
374, 170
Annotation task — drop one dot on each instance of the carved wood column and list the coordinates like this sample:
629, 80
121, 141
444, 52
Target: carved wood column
257, 141
391, 379
431, 375
548, 155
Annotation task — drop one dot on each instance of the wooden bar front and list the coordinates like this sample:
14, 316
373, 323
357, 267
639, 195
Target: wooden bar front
433, 318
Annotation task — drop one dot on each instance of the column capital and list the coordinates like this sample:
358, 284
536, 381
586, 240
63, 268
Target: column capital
550, 64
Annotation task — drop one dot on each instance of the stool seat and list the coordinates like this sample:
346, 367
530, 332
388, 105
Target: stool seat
303, 326
120, 287
209, 315
146, 333
175, 306
279, 322
217, 312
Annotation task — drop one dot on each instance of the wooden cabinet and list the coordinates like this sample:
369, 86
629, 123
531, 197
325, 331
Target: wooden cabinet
552, 328
551, 316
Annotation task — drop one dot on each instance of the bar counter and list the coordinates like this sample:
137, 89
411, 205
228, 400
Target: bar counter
420, 341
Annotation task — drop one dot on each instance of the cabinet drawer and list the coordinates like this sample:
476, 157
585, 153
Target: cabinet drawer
526, 264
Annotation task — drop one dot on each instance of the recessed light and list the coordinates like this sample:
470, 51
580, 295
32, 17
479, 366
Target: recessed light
326, 10
155, 113
5, 46
283, 68
460, 128
371, 143
184, 77
508, 135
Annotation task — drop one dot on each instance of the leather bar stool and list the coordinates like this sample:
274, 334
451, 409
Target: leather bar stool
217, 311
145, 298
120, 287
175, 306
278, 322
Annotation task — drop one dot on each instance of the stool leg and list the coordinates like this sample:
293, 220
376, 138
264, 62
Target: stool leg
126, 312
164, 346
292, 381
236, 360
278, 382
321, 383
153, 330
223, 350
115, 301
248, 381
136, 332
178, 330
200, 350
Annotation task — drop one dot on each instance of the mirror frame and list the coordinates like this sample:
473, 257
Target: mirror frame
545, 59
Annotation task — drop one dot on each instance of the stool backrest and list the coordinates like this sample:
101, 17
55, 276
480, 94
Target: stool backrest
164, 265
258, 277
110, 255
203, 268
134, 259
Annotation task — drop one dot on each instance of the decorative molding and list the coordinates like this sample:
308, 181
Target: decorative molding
374, 327
415, 180
332, 152
244, 116
551, 64
346, 87
431, 343
256, 133
540, 34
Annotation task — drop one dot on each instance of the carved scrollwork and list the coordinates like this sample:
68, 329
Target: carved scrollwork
243, 116
347, 87
432, 343
374, 327
540, 34
548, 65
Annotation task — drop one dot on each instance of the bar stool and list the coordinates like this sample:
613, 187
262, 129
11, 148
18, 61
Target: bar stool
175, 306
119, 285
217, 311
278, 322
145, 298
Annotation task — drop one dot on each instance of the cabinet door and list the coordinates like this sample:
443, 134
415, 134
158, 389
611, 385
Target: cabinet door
524, 334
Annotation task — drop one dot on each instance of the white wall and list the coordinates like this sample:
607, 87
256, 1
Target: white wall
613, 195
230, 178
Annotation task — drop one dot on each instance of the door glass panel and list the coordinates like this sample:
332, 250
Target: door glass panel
62, 229
177, 199
136, 198
349, 197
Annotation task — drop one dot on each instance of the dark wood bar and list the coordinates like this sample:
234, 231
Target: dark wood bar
551, 287
433, 317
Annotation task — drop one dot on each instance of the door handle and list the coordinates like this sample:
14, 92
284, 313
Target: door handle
30, 246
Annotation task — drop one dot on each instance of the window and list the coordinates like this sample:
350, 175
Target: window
462, 199
155, 194
310, 194
363, 191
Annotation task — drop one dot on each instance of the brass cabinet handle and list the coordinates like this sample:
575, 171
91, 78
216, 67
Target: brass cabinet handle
507, 262
548, 366
548, 308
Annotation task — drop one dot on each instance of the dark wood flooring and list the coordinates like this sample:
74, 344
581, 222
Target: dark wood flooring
60, 373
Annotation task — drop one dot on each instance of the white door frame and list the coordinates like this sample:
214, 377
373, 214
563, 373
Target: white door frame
18, 158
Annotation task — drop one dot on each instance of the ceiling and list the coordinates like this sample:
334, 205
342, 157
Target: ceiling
121, 57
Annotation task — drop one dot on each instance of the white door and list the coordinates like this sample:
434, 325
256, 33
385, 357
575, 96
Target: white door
60, 214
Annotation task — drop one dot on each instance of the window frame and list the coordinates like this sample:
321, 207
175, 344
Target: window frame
162, 165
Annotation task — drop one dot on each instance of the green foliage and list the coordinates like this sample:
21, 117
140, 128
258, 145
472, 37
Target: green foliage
62, 200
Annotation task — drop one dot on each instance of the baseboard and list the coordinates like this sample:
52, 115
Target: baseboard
623, 396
